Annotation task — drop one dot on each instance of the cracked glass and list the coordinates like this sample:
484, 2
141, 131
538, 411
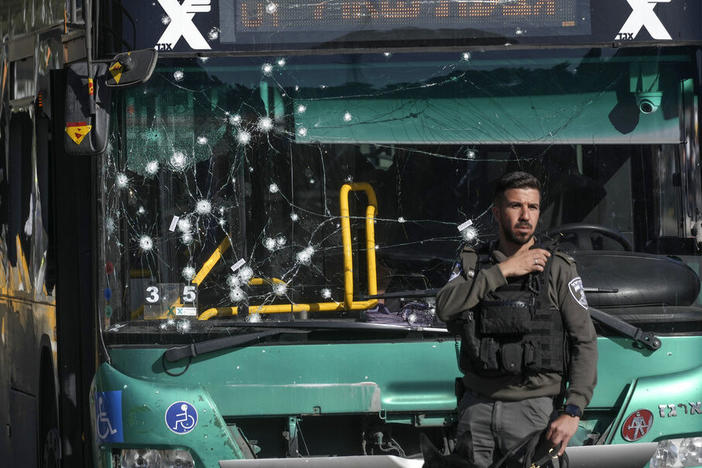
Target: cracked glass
228, 181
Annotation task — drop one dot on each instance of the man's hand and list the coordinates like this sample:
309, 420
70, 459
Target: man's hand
523, 263
561, 430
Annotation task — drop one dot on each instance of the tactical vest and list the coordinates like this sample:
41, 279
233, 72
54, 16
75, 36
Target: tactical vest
515, 330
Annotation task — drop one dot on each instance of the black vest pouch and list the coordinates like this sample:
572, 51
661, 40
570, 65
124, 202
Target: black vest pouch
489, 355
511, 358
504, 318
529, 355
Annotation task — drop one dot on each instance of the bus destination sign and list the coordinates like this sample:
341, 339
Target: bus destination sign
242, 21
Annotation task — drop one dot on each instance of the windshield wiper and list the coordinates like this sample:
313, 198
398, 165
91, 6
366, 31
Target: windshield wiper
639, 336
278, 328
216, 344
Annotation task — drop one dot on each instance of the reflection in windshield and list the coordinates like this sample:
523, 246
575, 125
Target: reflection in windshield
224, 180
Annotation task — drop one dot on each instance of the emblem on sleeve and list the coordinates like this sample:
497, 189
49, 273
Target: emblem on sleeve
578, 291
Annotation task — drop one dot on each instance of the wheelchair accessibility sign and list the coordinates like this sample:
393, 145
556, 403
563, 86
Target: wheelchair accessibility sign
181, 417
108, 416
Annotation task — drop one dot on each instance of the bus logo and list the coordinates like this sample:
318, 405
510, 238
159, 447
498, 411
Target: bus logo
642, 16
181, 417
108, 416
637, 425
181, 24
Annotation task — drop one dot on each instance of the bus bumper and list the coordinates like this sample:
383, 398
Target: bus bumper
594, 456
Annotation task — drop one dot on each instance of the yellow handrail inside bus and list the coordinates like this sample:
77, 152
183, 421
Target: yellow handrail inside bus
370, 244
349, 303
211, 262
260, 281
273, 309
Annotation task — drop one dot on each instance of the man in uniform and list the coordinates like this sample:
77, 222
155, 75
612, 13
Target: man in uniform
528, 351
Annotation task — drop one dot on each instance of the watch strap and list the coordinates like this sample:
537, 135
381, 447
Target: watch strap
573, 410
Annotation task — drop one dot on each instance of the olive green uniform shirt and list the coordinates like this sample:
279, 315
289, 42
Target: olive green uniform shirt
467, 288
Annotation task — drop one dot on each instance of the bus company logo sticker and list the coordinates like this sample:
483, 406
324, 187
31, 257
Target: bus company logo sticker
643, 16
181, 417
77, 131
181, 24
108, 416
637, 425
578, 291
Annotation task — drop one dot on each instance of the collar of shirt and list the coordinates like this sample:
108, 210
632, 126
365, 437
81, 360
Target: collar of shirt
500, 257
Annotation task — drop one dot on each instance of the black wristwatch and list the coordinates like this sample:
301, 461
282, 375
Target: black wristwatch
573, 410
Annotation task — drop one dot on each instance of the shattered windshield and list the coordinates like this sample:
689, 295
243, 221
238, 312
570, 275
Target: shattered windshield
291, 188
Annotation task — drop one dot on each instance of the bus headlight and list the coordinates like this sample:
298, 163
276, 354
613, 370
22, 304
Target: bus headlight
677, 453
151, 458
177, 459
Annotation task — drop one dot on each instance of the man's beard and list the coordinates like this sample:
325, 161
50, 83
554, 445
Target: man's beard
511, 236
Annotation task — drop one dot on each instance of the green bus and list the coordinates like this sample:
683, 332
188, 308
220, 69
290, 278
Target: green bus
267, 193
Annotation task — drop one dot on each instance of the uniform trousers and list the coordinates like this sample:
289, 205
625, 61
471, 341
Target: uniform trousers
487, 429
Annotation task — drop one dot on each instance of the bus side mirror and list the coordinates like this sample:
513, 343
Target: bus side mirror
87, 109
88, 98
131, 68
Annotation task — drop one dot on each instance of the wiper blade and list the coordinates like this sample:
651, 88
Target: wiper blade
216, 344
639, 336
278, 328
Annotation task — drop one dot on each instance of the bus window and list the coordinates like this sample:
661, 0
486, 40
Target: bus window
20, 197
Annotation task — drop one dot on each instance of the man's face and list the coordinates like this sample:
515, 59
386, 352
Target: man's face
518, 214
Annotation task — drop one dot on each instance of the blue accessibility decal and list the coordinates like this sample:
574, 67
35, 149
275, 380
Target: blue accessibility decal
181, 417
108, 416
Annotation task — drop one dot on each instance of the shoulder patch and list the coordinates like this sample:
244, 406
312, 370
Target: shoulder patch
575, 286
456, 272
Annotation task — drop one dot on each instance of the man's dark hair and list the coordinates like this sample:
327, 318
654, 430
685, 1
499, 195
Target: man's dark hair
515, 180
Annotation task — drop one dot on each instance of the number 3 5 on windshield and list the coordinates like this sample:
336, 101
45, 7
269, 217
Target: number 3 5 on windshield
169, 299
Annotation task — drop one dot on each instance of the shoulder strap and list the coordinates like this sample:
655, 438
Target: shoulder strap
481, 257
544, 278
469, 260
568, 259
547, 243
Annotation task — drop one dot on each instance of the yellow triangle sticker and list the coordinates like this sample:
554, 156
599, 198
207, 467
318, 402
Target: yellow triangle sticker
77, 131
116, 71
